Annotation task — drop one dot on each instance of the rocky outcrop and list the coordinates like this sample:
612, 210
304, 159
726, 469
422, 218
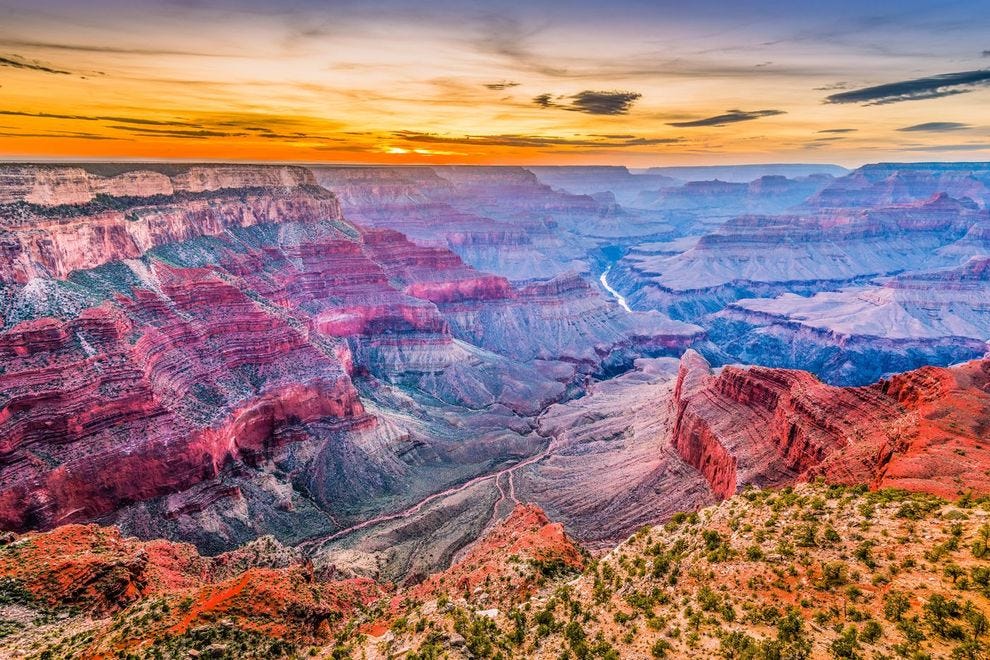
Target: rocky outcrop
492, 564
261, 600
64, 185
753, 425
58, 237
95, 572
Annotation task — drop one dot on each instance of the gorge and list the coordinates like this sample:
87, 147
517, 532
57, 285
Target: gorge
359, 372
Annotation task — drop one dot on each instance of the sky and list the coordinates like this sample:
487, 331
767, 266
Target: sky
630, 82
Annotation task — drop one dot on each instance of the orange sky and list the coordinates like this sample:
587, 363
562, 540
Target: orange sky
400, 83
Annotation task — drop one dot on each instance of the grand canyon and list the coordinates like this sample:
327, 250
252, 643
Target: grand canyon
381, 380
494, 329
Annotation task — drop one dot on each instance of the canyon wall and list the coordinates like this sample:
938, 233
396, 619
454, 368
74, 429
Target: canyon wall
219, 354
921, 430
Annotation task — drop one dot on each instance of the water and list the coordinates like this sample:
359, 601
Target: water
608, 287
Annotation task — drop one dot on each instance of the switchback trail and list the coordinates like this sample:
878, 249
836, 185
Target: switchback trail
312, 544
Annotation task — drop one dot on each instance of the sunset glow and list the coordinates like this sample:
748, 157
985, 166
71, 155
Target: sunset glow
637, 83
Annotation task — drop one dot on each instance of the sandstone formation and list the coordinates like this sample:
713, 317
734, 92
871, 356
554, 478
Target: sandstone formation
921, 430
262, 600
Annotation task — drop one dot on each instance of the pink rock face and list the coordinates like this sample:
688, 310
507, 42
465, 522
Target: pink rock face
774, 426
55, 185
150, 395
500, 220
53, 242
884, 184
151, 349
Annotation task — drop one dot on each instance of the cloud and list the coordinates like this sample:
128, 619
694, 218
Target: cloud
20, 63
591, 102
537, 141
604, 103
122, 120
838, 130
952, 147
61, 136
934, 127
832, 87
730, 117
499, 86
931, 87
986, 53
116, 50
191, 133
543, 100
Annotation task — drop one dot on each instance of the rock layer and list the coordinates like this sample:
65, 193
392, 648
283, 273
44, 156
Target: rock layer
922, 430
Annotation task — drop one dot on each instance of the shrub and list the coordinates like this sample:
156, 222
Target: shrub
660, 648
872, 631
895, 605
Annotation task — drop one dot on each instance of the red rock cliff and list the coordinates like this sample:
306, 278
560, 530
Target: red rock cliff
919, 430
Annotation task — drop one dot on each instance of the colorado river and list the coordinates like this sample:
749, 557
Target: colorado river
608, 287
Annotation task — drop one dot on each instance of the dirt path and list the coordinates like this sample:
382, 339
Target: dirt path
312, 544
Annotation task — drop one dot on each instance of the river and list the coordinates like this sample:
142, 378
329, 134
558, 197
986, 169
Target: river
608, 287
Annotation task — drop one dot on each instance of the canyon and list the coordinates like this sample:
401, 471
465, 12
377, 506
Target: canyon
336, 387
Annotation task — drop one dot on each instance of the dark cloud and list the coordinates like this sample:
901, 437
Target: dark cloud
986, 53
604, 103
538, 141
591, 102
838, 130
934, 127
499, 86
15, 62
543, 100
932, 87
730, 117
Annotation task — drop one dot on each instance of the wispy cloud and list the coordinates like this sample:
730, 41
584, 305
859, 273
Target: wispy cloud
931, 87
730, 117
499, 86
16, 62
838, 130
973, 146
122, 120
522, 140
591, 102
935, 127
831, 87
113, 50
60, 136
199, 133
